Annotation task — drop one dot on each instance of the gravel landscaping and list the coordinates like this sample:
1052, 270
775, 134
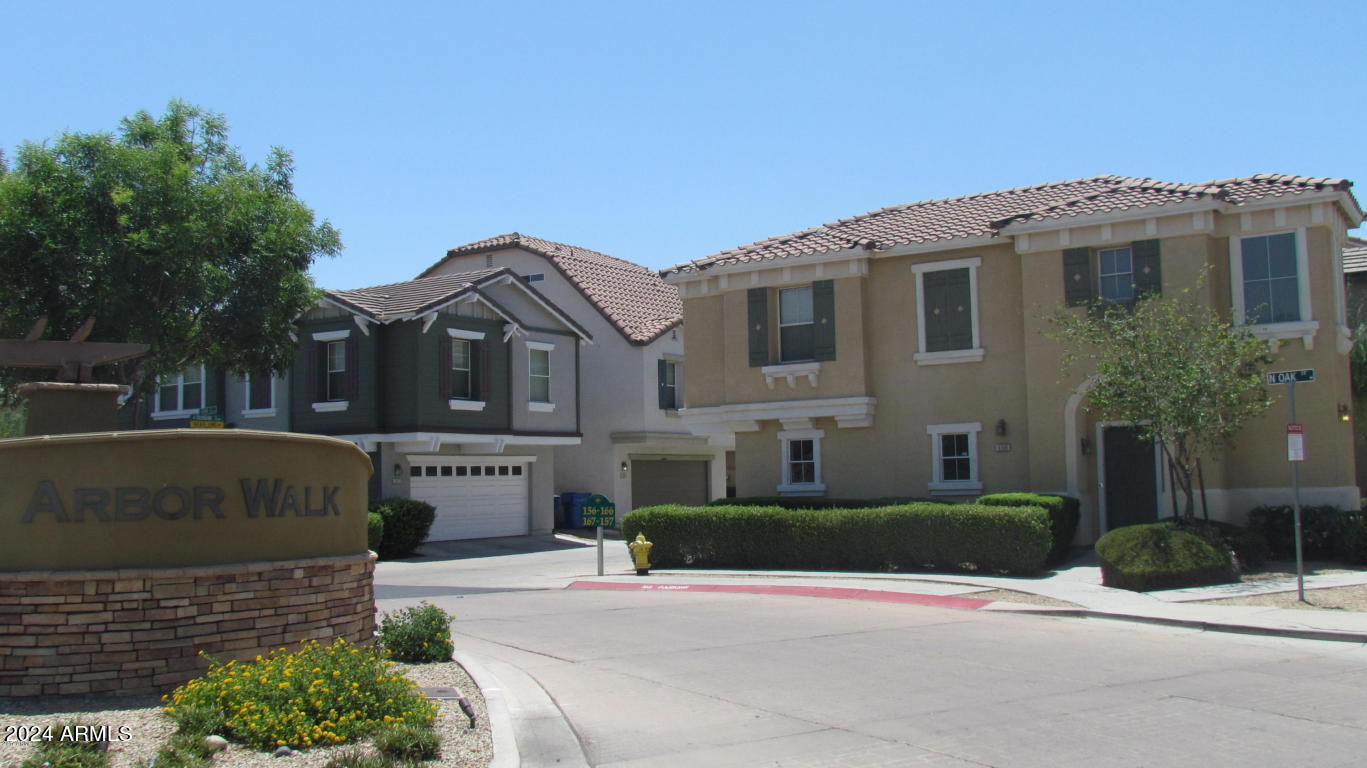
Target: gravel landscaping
1009, 596
461, 746
1333, 598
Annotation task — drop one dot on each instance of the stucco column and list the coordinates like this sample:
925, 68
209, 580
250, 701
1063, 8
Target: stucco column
59, 408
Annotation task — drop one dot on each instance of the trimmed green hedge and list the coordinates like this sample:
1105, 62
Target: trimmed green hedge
406, 523
818, 502
374, 530
1064, 513
1320, 529
899, 538
1142, 558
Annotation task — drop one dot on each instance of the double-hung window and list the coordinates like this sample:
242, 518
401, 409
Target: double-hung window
258, 394
800, 462
539, 376
795, 324
462, 368
954, 451
334, 362
667, 374
180, 395
1115, 275
947, 317
336, 371
1271, 279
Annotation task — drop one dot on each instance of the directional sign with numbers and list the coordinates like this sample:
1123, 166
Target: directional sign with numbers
1286, 377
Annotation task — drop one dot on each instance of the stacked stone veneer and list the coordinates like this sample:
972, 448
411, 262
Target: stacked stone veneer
141, 631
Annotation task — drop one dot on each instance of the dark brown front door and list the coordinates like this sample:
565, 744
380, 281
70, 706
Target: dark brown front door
1131, 486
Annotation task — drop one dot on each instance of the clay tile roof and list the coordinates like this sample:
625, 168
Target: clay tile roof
385, 302
631, 297
1355, 255
985, 214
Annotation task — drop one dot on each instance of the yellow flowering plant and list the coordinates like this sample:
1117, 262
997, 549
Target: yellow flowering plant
314, 696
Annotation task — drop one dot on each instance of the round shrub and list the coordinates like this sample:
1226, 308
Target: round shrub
417, 634
1160, 556
406, 523
318, 695
374, 531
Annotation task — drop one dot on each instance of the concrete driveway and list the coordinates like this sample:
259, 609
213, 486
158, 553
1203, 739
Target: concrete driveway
707, 679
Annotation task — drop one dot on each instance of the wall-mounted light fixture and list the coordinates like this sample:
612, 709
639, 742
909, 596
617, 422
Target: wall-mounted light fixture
1001, 427
1086, 447
1345, 413
625, 467
398, 471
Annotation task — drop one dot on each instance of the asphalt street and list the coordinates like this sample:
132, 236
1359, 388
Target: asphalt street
665, 678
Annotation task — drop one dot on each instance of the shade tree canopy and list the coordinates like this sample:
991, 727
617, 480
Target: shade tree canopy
166, 236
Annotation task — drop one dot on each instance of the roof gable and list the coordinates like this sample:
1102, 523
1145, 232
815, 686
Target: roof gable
632, 298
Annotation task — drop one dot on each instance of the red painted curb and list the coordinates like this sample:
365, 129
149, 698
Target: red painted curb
838, 593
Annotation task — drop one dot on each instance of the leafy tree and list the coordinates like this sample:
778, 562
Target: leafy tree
1171, 366
167, 237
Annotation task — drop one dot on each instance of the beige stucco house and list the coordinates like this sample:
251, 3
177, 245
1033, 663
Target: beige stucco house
899, 352
635, 447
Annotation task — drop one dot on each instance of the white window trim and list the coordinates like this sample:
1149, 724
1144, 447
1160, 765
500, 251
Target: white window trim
800, 489
973, 354
178, 413
332, 335
461, 333
537, 406
331, 406
678, 383
1304, 329
938, 486
256, 413
1100, 274
465, 405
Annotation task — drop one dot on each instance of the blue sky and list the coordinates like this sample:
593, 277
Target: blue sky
666, 131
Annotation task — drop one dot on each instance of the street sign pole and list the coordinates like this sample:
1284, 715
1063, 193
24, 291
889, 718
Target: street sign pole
1296, 505
600, 545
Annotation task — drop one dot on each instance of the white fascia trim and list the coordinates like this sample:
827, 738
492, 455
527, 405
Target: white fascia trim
950, 356
536, 407
466, 405
258, 413
745, 417
1075, 220
937, 266
363, 323
641, 438
1288, 201
461, 333
430, 315
935, 246
963, 426
536, 296
332, 335
830, 257
435, 440
331, 406
544, 346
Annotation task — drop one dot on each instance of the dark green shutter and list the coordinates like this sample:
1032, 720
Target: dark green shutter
1148, 268
757, 316
823, 316
1077, 276
665, 396
948, 310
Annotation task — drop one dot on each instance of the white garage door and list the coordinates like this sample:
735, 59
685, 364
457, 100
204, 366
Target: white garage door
474, 499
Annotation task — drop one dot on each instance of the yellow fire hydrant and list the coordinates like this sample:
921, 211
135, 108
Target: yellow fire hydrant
640, 554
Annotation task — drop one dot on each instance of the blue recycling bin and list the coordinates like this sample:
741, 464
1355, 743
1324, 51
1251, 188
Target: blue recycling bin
574, 508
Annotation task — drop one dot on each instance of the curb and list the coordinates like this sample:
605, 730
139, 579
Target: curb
1205, 626
528, 727
496, 709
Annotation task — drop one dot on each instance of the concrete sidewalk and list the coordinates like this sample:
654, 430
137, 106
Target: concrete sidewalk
1080, 583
